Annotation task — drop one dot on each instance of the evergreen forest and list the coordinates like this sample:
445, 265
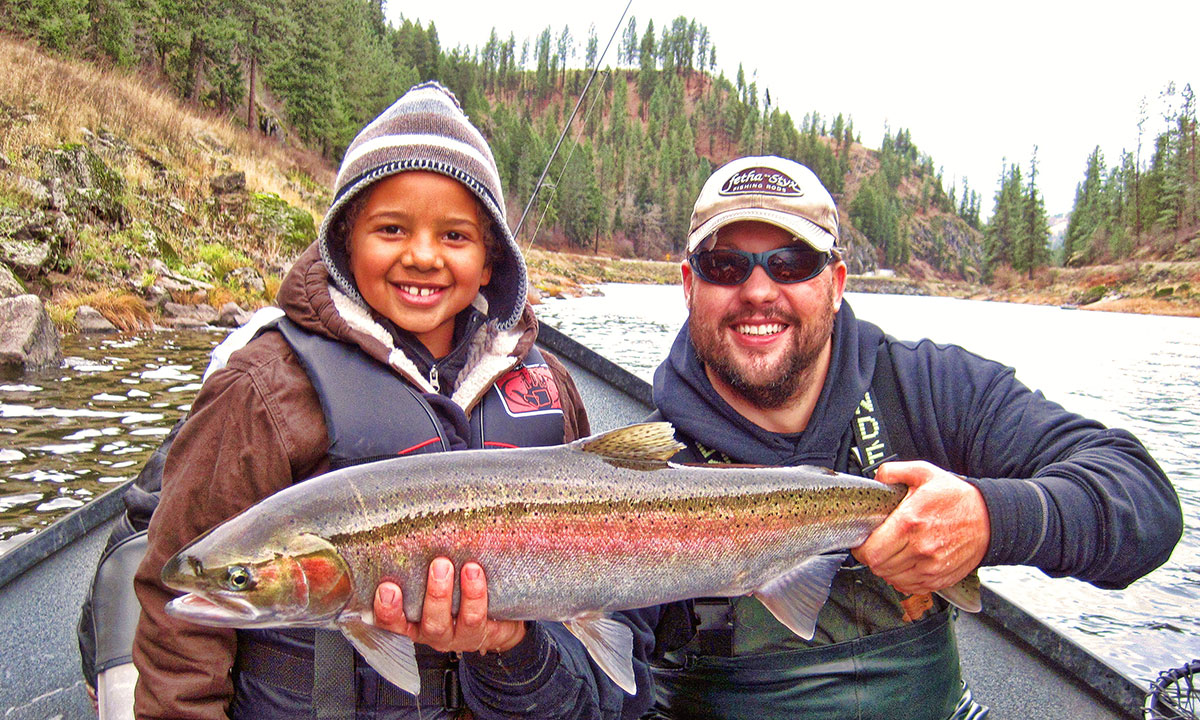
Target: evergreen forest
660, 115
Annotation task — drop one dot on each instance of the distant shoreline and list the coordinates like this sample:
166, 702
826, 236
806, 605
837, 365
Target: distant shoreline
1149, 288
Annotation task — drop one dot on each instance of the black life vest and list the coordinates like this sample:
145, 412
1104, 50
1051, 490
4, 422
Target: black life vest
372, 413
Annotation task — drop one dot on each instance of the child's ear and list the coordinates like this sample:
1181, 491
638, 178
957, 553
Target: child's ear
486, 277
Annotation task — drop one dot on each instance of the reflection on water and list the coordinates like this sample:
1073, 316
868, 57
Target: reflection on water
70, 434
1138, 372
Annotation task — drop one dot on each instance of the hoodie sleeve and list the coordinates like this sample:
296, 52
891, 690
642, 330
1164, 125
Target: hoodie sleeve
550, 676
1064, 493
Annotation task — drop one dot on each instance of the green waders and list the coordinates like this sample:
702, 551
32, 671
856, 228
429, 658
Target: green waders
909, 672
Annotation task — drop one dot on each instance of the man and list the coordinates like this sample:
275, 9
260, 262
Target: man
773, 368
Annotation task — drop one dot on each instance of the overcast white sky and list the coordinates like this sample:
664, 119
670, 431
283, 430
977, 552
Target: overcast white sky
975, 82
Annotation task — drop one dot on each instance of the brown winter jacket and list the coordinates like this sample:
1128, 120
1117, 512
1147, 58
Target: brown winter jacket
255, 428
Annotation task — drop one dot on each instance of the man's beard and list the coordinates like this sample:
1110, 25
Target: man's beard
763, 380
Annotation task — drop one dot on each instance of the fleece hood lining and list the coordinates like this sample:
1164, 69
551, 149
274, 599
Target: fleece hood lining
489, 354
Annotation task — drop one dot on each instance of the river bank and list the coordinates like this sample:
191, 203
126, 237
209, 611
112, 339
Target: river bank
1150, 288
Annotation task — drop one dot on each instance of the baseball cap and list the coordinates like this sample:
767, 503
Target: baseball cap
769, 189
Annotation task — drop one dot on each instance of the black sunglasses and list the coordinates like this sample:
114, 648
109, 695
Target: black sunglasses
785, 265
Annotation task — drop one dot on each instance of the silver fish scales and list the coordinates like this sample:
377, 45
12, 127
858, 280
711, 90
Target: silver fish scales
570, 534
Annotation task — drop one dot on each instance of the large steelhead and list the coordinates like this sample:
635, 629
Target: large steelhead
569, 533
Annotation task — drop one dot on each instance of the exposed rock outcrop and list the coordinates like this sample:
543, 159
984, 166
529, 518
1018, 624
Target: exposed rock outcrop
28, 339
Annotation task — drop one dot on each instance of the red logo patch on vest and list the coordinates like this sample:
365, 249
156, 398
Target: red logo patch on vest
529, 389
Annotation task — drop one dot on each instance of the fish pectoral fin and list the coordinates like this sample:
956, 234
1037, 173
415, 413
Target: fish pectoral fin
649, 444
796, 597
394, 656
964, 594
610, 644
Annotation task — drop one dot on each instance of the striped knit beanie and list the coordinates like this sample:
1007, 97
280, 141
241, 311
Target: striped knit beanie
426, 130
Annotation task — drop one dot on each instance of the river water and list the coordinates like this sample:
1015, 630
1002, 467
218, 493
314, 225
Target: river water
69, 434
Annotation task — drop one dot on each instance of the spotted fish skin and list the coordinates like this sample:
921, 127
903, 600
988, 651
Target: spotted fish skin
569, 533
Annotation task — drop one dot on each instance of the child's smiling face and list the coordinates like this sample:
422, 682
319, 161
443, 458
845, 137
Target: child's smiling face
418, 253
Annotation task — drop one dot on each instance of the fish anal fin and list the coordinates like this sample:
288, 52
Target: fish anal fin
796, 597
392, 655
964, 594
649, 443
610, 644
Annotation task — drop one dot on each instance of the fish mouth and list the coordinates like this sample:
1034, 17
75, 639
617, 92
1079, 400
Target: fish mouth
219, 611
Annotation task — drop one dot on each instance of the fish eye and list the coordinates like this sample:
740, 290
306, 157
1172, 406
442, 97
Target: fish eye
239, 578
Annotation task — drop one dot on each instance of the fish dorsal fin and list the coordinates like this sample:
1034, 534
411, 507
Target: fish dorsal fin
610, 643
650, 443
392, 655
796, 597
964, 594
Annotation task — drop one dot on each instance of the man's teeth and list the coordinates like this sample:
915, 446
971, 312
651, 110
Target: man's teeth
770, 329
418, 291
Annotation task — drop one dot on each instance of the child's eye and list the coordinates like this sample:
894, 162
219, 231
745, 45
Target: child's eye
457, 236
390, 230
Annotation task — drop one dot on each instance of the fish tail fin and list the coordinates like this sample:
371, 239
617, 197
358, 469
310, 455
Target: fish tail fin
964, 594
650, 443
610, 644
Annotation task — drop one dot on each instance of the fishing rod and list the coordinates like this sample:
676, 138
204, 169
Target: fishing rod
567, 127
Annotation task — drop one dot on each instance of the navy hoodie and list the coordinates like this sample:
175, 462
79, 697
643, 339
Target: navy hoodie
1064, 493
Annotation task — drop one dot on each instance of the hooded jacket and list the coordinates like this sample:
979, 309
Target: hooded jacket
1064, 493
256, 427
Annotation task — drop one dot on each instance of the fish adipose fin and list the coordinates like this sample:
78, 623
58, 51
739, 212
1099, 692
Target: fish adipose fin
650, 444
392, 655
610, 643
796, 597
964, 594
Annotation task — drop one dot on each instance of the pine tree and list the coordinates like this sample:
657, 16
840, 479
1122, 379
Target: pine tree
566, 50
306, 77
648, 59
1030, 249
628, 54
593, 48
1088, 213
544, 72
1003, 232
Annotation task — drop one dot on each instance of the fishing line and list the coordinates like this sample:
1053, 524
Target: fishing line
558, 180
567, 127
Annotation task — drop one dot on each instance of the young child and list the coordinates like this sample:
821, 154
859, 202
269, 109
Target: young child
400, 322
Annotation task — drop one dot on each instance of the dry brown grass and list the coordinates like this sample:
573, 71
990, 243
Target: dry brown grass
127, 312
65, 96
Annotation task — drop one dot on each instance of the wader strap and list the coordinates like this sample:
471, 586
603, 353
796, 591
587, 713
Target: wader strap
334, 692
298, 673
886, 391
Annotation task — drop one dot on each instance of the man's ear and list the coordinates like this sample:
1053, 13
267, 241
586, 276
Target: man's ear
688, 278
838, 281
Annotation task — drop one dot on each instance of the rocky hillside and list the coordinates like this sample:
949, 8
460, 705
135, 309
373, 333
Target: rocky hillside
112, 191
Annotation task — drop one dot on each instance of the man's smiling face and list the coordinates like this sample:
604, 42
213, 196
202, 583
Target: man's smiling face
762, 339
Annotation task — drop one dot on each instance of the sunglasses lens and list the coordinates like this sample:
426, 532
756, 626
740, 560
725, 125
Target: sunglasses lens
732, 267
792, 265
722, 267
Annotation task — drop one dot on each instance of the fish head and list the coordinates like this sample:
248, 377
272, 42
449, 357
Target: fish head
297, 580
